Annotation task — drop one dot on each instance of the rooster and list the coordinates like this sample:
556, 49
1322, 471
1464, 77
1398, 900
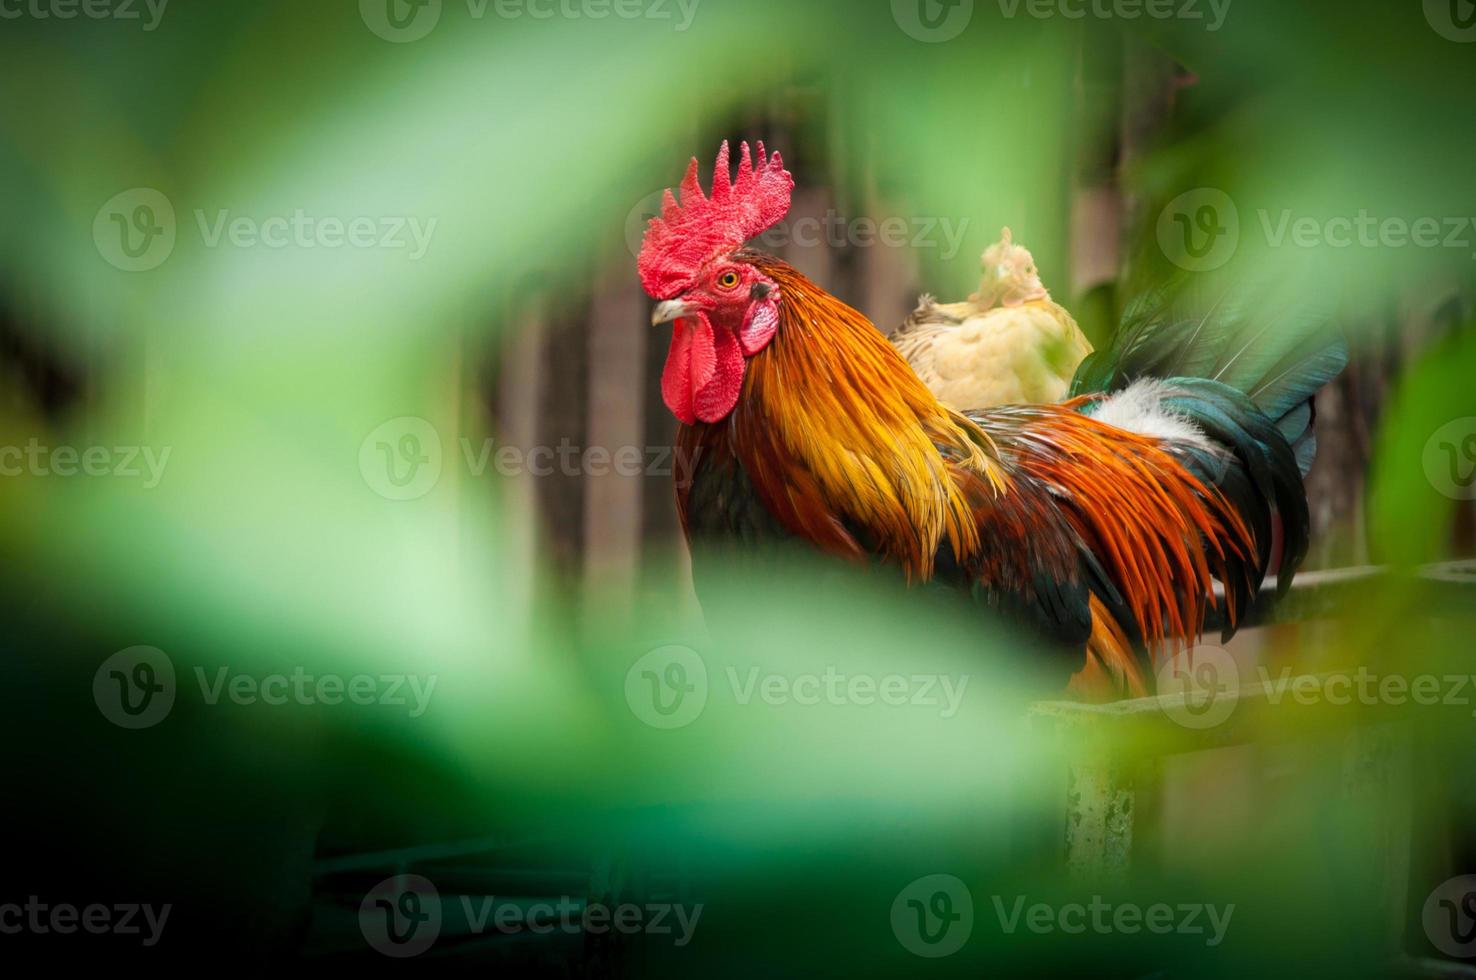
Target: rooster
1007, 344
1107, 515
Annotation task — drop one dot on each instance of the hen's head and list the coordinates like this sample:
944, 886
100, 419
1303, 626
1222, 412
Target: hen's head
724, 309
1009, 275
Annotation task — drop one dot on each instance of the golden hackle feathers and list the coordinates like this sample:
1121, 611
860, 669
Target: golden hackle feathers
847, 449
835, 410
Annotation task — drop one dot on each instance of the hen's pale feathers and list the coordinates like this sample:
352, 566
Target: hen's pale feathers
1008, 355
1007, 344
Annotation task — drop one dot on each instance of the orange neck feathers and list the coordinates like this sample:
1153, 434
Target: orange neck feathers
838, 434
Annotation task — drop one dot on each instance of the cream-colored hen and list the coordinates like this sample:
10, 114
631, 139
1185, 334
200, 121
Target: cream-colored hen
1007, 344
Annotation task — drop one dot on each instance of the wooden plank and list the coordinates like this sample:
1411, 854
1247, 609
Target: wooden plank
1263, 711
1325, 594
1107, 746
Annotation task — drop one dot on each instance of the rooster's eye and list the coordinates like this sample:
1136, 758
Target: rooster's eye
728, 280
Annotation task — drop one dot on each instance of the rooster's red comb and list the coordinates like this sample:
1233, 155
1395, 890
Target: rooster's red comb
688, 234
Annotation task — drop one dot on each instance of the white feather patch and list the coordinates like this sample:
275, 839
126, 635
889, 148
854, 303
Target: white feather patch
1139, 408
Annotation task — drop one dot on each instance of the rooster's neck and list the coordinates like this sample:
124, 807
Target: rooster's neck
840, 439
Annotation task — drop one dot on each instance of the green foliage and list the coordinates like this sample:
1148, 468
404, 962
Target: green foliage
528, 142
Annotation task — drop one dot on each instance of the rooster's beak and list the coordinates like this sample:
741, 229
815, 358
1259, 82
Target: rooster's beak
672, 309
